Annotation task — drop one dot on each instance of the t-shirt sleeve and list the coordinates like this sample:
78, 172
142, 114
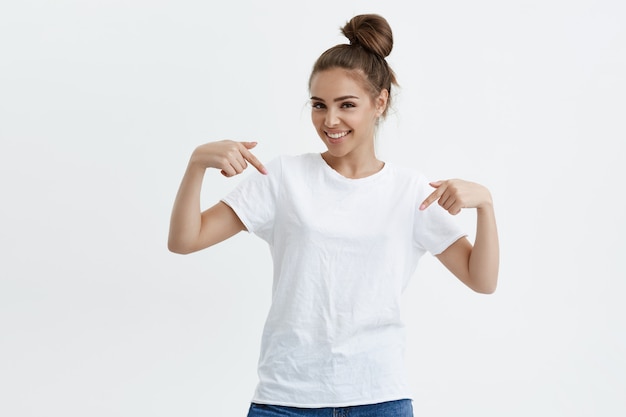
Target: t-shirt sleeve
434, 229
254, 199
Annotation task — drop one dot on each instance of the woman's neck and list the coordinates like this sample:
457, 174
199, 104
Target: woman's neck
352, 166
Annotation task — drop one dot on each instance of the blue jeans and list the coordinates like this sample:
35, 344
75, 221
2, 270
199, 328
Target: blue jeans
399, 408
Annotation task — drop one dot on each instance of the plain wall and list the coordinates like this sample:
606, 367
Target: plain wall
102, 103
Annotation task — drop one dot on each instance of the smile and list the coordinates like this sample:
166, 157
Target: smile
337, 135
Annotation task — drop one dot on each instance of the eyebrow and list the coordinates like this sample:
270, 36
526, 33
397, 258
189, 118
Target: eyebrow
337, 99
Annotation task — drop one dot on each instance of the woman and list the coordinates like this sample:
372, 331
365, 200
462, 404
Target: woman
346, 231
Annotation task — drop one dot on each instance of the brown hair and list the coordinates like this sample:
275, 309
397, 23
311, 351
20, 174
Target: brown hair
371, 41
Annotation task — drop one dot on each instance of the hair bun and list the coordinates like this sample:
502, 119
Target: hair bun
372, 32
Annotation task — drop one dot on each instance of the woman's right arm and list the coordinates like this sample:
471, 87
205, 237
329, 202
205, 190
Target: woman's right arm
191, 229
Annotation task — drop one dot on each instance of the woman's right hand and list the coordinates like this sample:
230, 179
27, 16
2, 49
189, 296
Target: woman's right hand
230, 157
191, 229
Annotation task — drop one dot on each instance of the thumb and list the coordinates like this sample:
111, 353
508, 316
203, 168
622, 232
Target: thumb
435, 184
249, 145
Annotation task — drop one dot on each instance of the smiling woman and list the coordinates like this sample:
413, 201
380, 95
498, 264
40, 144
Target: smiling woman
345, 117
346, 231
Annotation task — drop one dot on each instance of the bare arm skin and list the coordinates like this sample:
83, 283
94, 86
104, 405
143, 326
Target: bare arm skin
191, 229
476, 266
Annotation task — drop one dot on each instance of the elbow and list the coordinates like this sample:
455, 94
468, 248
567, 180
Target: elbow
176, 247
487, 290
483, 280
485, 286
185, 247
176, 250
481, 283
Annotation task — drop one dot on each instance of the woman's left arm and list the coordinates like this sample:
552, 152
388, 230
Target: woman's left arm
475, 265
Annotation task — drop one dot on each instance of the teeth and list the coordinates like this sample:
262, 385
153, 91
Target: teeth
337, 135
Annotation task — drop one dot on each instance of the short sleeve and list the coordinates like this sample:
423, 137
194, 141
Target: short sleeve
254, 199
434, 228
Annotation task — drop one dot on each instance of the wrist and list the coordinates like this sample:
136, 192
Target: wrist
487, 206
195, 165
487, 201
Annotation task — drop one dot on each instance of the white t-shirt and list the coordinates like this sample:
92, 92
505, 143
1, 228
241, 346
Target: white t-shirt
343, 252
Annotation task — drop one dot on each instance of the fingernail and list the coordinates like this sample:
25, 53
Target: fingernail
423, 206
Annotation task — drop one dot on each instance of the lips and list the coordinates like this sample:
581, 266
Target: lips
337, 137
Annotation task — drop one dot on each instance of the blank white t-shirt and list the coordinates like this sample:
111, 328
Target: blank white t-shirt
343, 252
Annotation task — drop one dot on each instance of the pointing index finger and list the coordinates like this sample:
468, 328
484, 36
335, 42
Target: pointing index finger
254, 161
434, 196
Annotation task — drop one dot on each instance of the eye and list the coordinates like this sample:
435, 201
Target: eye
318, 105
347, 105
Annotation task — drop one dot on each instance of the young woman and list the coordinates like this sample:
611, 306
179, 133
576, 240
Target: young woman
346, 231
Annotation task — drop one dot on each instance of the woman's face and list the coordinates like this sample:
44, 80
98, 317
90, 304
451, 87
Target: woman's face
343, 112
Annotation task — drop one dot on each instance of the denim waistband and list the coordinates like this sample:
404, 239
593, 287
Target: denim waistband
397, 408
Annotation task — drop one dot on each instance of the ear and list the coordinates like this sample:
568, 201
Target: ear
381, 101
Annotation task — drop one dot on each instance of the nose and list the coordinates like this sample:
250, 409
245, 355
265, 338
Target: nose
331, 118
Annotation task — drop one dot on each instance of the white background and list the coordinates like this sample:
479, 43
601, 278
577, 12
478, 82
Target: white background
102, 102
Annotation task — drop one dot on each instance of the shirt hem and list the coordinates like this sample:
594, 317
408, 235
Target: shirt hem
447, 243
235, 209
354, 403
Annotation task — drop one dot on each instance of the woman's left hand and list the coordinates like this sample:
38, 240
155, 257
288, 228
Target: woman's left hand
455, 194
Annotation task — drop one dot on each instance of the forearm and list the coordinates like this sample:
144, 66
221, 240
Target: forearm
485, 255
186, 217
